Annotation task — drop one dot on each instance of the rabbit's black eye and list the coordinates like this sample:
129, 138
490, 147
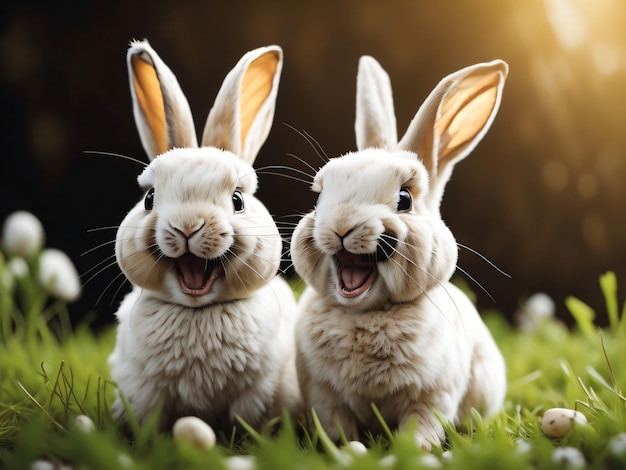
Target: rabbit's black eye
238, 202
148, 202
405, 200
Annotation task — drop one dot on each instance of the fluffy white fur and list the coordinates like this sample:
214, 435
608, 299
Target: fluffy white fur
208, 329
380, 322
215, 362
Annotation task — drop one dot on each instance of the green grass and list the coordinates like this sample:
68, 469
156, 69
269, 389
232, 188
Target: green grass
49, 374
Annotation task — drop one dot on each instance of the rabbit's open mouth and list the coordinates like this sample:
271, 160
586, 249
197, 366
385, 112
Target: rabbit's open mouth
197, 275
355, 273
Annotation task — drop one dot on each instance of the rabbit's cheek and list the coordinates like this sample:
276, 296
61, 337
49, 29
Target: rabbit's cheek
139, 264
326, 240
144, 270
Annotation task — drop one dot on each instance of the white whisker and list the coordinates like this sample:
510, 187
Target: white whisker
311, 141
98, 265
115, 294
116, 155
226, 258
484, 258
284, 167
304, 162
291, 177
98, 229
476, 282
101, 245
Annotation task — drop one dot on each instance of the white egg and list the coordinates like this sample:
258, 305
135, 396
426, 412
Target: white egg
42, 465
194, 431
430, 461
344, 458
522, 446
447, 456
388, 461
558, 422
240, 462
356, 447
124, 460
568, 457
84, 423
617, 445
540, 305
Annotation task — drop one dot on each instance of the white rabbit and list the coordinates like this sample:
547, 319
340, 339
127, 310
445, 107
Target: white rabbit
208, 327
380, 323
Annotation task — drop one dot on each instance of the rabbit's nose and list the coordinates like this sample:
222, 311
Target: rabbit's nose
343, 233
188, 230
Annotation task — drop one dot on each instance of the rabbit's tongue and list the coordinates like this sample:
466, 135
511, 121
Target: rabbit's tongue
356, 273
196, 274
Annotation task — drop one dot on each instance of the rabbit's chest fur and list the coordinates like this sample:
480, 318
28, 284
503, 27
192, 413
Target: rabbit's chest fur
198, 360
393, 355
208, 345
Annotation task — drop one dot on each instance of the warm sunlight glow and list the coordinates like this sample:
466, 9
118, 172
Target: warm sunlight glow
607, 58
567, 21
591, 26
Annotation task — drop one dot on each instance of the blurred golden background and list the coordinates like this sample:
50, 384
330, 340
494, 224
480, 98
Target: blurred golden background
541, 196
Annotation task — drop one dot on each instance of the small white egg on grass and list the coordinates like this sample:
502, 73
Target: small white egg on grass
240, 462
124, 460
558, 422
569, 457
42, 465
388, 461
356, 447
194, 431
344, 458
522, 446
617, 445
430, 461
447, 456
84, 423
540, 305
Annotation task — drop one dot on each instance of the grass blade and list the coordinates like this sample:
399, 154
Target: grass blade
608, 285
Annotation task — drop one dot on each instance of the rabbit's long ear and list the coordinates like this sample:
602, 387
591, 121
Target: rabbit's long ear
453, 119
375, 123
242, 115
161, 110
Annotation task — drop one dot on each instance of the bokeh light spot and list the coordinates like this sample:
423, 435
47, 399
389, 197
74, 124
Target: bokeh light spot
555, 175
587, 186
567, 22
594, 230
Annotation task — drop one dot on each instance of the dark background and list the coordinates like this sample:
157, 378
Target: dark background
541, 196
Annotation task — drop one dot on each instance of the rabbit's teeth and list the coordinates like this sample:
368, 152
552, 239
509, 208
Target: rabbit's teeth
196, 275
356, 273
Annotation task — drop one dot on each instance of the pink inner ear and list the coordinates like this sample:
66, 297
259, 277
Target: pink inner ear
256, 87
464, 113
150, 99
